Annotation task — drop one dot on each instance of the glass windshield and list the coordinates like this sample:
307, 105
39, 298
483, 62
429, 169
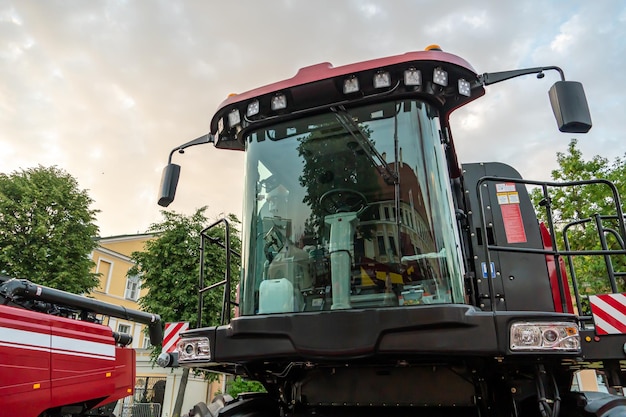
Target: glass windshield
349, 209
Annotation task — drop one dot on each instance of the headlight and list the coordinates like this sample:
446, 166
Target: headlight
279, 102
234, 118
413, 76
440, 77
542, 336
465, 88
194, 349
351, 85
253, 108
382, 79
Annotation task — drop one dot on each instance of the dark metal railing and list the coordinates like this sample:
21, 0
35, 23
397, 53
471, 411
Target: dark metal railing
227, 303
567, 253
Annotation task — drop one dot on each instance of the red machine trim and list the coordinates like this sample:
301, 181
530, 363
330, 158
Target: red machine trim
609, 313
554, 281
326, 70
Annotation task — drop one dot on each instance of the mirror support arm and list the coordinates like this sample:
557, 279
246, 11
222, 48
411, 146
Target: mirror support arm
171, 173
496, 77
208, 138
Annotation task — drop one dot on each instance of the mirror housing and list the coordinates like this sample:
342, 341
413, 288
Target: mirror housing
155, 331
169, 181
570, 107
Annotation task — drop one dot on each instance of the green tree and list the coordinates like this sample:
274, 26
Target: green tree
580, 204
169, 269
240, 385
47, 229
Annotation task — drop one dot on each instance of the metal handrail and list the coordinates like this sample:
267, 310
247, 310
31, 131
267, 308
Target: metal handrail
227, 303
558, 254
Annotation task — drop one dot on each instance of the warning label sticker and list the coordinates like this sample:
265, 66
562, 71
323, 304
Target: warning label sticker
505, 187
513, 224
508, 199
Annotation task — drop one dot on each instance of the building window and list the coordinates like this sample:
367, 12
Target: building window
146, 342
104, 269
382, 249
392, 246
132, 288
123, 328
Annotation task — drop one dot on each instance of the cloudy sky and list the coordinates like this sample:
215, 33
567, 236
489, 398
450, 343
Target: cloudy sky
105, 89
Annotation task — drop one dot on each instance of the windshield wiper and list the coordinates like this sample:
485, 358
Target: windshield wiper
346, 120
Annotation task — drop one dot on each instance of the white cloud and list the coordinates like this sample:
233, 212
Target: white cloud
107, 89
10, 15
122, 97
370, 10
96, 153
477, 20
569, 33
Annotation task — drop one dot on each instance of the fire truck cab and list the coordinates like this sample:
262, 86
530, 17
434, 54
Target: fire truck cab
57, 358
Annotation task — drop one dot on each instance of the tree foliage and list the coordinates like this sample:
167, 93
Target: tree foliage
47, 229
170, 269
575, 209
240, 385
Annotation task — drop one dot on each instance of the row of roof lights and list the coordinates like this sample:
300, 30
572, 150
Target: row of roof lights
382, 79
412, 77
279, 102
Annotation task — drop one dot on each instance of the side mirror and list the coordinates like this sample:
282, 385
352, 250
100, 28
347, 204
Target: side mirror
155, 331
171, 173
169, 181
570, 107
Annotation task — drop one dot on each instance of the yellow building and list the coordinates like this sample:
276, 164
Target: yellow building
154, 385
112, 259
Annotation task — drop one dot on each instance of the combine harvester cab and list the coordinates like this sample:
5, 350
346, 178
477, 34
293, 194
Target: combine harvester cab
57, 359
380, 275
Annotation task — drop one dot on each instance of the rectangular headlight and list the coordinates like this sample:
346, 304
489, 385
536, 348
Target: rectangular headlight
465, 88
382, 79
350, 85
544, 336
440, 77
278, 102
412, 76
194, 349
234, 118
253, 108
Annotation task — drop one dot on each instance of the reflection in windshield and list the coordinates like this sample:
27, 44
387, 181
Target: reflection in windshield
337, 225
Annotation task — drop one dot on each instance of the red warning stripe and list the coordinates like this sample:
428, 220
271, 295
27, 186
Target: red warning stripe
609, 313
171, 335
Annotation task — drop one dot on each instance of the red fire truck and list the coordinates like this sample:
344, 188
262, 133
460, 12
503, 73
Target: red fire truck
381, 276
57, 358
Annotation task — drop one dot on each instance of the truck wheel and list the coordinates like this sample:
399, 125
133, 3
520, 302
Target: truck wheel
200, 410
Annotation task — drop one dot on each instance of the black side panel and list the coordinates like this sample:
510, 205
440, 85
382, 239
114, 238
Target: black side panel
520, 280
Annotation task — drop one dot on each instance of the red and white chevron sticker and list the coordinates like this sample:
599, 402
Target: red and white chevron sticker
171, 335
609, 313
